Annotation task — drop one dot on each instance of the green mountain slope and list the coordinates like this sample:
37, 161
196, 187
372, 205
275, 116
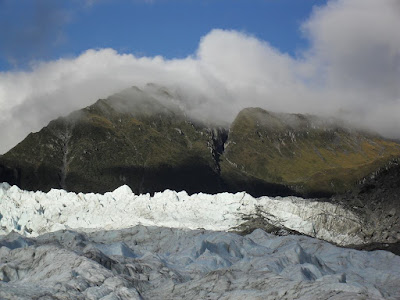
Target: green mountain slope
147, 142
308, 154
129, 138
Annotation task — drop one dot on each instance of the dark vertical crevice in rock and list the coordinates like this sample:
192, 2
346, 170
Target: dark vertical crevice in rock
66, 136
219, 138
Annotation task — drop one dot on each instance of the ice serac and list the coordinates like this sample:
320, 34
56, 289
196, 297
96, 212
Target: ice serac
34, 213
163, 263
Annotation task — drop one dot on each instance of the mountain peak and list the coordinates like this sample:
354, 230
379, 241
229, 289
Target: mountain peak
144, 139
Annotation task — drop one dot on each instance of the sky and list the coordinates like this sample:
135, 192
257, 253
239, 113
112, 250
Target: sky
45, 29
336, 58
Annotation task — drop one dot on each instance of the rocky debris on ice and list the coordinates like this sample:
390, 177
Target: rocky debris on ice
35, 213
166, 263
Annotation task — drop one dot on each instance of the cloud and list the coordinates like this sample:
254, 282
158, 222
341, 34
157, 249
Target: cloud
358, 43
356, 50
351, 70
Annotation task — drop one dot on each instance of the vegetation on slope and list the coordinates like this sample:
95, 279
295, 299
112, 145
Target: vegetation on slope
142, 143
151, 145
311, 155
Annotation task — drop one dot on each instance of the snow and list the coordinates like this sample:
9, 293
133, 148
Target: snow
35, 213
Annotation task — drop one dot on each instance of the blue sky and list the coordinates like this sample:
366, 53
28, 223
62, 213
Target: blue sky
45, 30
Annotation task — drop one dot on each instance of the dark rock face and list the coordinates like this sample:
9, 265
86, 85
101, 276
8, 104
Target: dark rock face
10, 175
377, 200
151, 145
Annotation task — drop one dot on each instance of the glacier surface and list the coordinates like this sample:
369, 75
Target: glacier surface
35, 213
61, 245
145, 262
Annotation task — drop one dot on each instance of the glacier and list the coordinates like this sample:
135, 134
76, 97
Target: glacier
172, 245
35, 213
147, 262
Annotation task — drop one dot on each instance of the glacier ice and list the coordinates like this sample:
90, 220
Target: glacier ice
34, 213
145, 262
61, 245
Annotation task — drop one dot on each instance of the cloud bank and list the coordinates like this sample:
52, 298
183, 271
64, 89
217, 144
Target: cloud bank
350, 70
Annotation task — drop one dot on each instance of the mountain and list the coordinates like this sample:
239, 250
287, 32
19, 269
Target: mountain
144, 143
146, 140
313, 156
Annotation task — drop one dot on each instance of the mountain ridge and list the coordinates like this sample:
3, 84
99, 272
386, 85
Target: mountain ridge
145, 139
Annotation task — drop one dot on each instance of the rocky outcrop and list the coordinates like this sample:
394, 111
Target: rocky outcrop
377, 201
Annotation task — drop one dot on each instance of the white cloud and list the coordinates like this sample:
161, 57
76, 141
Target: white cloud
356, 50
352, 69
358, 42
